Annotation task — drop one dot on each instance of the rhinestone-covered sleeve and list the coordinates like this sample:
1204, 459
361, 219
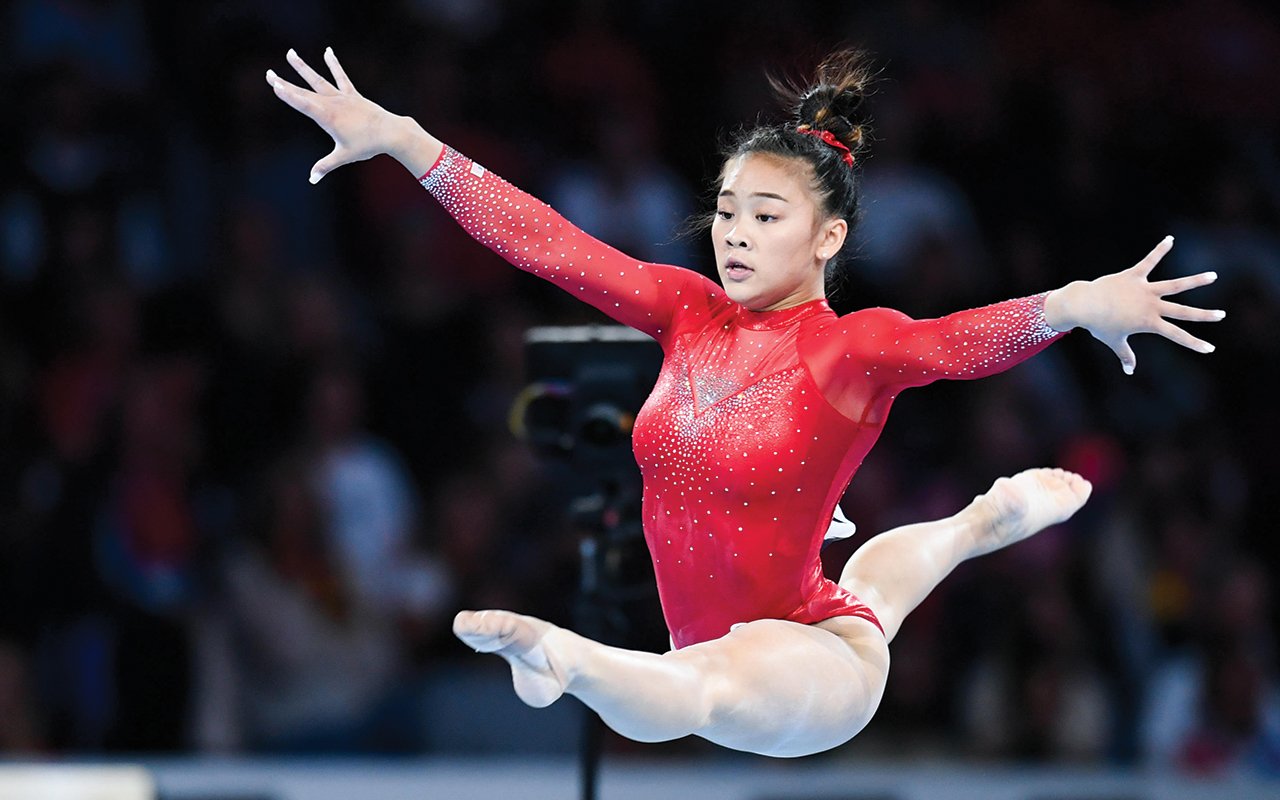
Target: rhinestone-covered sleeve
534, 237
890, 348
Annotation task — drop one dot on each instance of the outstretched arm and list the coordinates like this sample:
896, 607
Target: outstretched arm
523, 230
882, 351
1116, 306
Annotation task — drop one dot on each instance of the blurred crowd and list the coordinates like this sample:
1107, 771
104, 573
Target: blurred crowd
254, 448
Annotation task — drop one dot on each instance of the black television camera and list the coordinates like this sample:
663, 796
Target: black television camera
585, 386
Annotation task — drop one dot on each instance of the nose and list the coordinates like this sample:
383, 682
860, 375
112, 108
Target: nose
734, 239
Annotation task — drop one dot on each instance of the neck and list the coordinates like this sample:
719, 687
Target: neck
802, 295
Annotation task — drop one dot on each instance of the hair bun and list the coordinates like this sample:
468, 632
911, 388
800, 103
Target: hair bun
825, 108
833, 100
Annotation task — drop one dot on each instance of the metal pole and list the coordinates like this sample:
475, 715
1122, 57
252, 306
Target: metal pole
590, 752
590, 623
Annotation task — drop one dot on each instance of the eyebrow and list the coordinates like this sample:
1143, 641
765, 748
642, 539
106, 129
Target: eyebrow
771, 195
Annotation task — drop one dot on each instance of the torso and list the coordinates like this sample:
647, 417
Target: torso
743, 460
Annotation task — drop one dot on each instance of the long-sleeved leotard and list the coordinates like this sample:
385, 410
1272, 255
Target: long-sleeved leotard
758, 420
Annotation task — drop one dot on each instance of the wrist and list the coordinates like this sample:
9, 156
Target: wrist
1062, 306
412, 146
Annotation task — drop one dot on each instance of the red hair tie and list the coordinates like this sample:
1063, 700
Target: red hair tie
829, 138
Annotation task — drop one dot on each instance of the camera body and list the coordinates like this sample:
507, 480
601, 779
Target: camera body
586, 385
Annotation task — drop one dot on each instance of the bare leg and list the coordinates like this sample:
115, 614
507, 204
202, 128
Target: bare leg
774, 687
895, 571
771, 687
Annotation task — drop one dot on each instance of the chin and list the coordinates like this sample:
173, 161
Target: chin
741, 294
743, 299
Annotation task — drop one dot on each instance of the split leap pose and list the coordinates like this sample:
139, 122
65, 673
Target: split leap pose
766, 404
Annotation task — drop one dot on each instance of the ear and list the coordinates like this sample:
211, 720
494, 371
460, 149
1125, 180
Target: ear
830, 237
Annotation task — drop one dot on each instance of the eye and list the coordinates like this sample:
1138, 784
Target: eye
724, 214
765, 217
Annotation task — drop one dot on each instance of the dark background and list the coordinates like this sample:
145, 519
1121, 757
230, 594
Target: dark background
253, 443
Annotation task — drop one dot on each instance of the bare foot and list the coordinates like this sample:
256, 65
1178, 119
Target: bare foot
518, 639
1027, 503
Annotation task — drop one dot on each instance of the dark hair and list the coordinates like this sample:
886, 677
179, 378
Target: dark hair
832, 101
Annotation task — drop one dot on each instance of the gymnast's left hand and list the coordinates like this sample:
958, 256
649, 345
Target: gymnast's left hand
1114, 307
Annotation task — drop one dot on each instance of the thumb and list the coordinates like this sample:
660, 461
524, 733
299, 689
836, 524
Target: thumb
327, 164
1128, 361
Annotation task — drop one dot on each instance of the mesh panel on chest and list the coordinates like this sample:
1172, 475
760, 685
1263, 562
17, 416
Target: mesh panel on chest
735, 359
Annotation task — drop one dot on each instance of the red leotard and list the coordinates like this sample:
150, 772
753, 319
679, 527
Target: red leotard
758, 419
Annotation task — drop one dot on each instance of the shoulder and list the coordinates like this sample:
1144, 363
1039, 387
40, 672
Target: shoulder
689, 286
871, 323
869, 335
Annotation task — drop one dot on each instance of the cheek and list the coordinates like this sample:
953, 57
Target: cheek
797, 246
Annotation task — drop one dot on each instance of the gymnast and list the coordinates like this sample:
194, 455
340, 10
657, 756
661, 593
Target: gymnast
766, 404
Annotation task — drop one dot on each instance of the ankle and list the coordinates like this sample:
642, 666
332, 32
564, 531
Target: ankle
978, 521
562, 650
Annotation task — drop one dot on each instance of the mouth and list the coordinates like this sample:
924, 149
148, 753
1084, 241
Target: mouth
737, 271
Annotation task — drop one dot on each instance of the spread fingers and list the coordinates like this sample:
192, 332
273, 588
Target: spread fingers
1172, 310
314, 79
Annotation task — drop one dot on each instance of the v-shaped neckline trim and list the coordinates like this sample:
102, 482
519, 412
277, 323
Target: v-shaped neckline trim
699, 409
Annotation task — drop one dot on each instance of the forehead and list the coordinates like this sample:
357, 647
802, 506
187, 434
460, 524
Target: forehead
767, 173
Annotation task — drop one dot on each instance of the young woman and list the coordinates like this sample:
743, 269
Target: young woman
766, 404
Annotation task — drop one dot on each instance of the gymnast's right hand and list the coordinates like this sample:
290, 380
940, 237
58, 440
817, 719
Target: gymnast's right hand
361, 129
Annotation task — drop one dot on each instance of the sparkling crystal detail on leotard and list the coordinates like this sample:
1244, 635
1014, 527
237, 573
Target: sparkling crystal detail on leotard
444, 168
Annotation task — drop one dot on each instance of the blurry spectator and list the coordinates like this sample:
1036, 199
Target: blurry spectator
60, 216
147, 530
471, 529
1238, 729
1215, 708
918, 239
369, 505
1254, 352
320, 323
147, 537
81, 385
624, 195
1043, 698
502, 528
316, 658
80, 381
252, 383
590, 65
